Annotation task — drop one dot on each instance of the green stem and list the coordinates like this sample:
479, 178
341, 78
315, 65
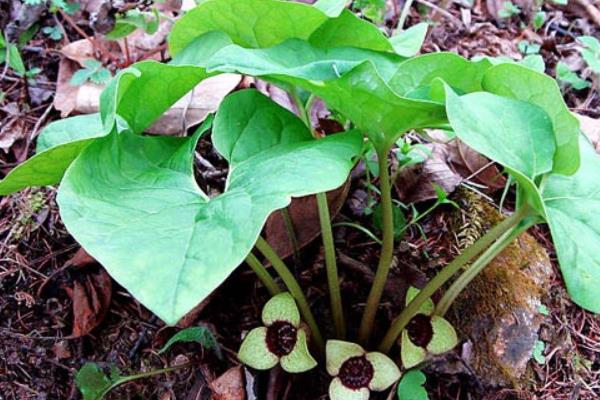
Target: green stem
360, 228
263, 274
120, 381
404, 14
387, 251
296, 291
484, 259
335, 296
445, 274
291, 233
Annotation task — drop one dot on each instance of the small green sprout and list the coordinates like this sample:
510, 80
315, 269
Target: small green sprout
356, 373
283, 340
508, 10
425, 334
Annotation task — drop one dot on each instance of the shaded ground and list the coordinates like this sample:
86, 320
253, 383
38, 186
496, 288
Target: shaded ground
38, 359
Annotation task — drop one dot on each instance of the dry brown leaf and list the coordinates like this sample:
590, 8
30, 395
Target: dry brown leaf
85, 99
415, 184
591, 127
196, 105
81, 258
229, 386
305, 219
14, 129
449, 164
91, 294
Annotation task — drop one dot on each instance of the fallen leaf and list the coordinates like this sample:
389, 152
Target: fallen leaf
229, 386
81, 258
91, 295
415, 184
85, 99
305, 219
193, 108
449, 164
591, 127
13, 130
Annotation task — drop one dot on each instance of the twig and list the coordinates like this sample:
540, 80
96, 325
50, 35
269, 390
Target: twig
592, 11
441, 10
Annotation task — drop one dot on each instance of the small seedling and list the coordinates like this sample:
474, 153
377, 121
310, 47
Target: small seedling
411, 386
570, 78
93, 71
356, 372
133, 20
53, 32
509, 10
283, 340
591, 52
538, 352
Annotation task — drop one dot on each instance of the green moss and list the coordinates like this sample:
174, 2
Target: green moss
500, 290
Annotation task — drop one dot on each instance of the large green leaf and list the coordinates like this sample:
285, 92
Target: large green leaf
132, 202
143, 92
573, 207
415, 75
265, 23
514, 133
345, 78
522, 83
58, 145
69, 130
246, 116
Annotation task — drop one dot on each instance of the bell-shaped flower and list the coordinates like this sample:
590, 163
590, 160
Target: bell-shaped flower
425, 334
356, 373
281, 340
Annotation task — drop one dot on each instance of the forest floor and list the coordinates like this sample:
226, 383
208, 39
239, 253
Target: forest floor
59, 309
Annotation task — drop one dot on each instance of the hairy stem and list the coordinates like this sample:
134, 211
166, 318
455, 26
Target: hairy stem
445, 274
478, 265
296, 291
263, 274
387, 251
335, 296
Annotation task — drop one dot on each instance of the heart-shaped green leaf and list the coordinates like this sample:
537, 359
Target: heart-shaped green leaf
164, 239
266, 23
143, 92
573, 207
58, 145
345, 78
516, 134
522, 83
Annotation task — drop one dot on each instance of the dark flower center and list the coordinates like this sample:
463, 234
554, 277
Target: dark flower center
356, 372
420, 330
281, 338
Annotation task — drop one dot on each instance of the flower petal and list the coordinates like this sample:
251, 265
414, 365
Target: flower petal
281, 307
337, 391
444, 336
385, 371
299, 360
410, 353
426, 308
254, 351
338, 351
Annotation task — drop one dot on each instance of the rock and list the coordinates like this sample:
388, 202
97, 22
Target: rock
498, 313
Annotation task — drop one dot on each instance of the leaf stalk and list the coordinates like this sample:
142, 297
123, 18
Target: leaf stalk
446, 274
294, 287
387, 251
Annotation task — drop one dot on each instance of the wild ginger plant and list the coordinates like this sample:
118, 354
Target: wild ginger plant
132, 202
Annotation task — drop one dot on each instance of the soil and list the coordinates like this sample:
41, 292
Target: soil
39, 355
